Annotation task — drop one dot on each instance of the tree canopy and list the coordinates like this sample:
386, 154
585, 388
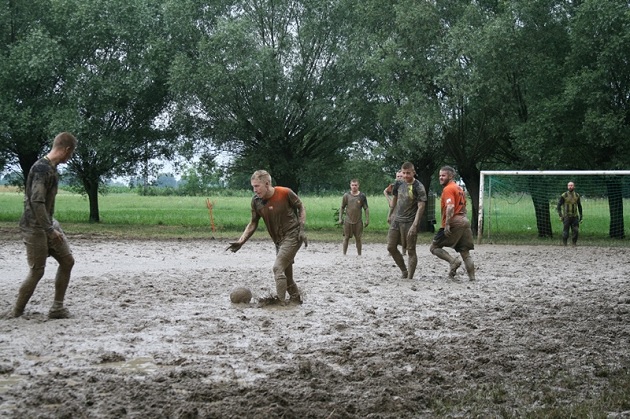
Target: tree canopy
317, 91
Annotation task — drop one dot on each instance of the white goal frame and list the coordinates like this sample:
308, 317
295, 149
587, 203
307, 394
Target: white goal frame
483, 174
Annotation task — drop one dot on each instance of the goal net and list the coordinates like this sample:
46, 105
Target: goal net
515, 204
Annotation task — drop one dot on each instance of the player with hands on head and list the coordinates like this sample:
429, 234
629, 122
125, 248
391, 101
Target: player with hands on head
284, 216
455, 232
570, 212
404, 217
352, 205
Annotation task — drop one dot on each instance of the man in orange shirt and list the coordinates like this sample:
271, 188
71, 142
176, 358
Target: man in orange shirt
455, 231
284, 215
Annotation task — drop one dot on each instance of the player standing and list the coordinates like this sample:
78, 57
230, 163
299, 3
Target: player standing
455, 231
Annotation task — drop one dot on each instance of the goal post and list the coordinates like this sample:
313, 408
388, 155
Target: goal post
515, 203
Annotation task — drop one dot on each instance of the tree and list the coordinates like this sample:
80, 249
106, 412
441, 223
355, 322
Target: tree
265, 86
598, 92
30, 77
115, 88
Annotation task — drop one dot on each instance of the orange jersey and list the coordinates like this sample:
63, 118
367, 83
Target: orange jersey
280, 212
453, 194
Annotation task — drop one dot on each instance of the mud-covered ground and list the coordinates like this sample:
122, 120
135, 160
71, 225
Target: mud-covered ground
153, 334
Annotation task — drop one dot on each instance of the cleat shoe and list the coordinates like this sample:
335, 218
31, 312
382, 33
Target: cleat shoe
10, 314
59, 313
454, 266
295, 300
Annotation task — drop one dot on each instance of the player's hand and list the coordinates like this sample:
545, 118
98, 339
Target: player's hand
413, 231
234, 247
581, 221
367, 223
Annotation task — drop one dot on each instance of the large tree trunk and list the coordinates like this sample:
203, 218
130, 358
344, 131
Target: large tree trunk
27, 161
615, 204
429, 218
91, 188
541, 206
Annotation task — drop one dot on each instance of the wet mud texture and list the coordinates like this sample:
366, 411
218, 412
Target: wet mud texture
154, 333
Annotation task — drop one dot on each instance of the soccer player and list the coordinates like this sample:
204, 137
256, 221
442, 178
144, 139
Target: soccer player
353, 204
404, 216
41, 233
284, 215
455, 232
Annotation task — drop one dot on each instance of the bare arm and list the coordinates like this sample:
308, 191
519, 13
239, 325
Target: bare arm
391, 209
414, 227
450, 211
249, 232
341, 210
388, 194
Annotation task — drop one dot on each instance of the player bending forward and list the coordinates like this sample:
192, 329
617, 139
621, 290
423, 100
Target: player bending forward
284, 216
455, 231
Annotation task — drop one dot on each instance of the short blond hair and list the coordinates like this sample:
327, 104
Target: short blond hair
262, 175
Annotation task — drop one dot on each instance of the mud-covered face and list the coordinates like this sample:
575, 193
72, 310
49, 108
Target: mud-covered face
570, 186
354, 187
261, 189
407, 175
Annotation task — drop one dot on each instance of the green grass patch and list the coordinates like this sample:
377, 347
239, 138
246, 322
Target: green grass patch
133, 215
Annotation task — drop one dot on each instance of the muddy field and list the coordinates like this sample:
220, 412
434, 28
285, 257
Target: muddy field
153, 334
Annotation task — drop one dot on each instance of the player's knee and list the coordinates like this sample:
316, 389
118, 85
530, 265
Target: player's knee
36, 273
67, 262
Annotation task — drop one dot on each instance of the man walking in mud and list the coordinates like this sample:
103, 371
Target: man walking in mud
455, 231
404, 217
41, 233
353, 204
284, 215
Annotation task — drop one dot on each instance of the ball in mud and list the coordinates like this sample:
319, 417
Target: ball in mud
241, 295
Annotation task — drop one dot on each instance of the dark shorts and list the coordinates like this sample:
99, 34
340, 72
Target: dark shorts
353, 230
461, 239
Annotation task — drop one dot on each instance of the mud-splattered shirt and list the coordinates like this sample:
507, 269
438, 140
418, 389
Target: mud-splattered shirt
39, 196
354, 206
409, 194
280, 213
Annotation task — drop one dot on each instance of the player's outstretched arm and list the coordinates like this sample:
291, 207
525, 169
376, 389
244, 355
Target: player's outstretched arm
249, 231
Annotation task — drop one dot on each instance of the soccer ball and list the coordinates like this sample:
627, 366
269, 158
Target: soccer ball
241, 295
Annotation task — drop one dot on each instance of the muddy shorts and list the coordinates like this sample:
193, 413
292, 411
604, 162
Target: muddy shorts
397, 234
39, 246
353, 230
460, 239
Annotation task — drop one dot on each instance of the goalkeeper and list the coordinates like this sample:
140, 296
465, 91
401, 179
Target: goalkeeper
570, 212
